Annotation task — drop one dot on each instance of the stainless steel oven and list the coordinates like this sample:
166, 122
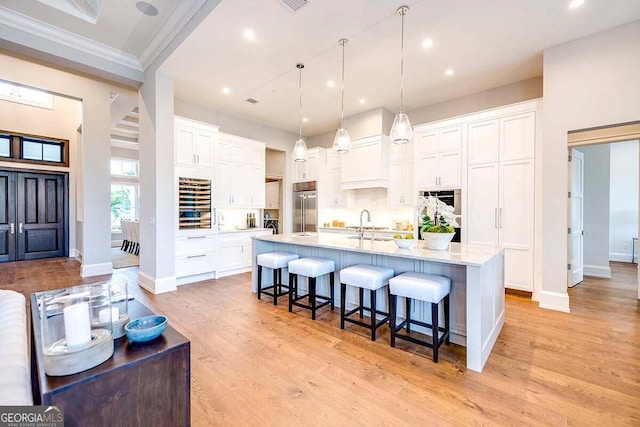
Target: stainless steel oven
451, 198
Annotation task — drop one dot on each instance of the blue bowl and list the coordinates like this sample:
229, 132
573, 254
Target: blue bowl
145, 328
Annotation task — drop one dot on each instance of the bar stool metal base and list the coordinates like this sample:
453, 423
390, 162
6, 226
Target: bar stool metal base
436, 341
372, 325
311, 295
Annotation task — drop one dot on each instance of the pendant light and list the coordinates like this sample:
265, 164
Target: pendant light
401, 130
300, 149
342, 142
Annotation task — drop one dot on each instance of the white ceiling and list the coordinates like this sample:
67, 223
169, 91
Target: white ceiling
488, 43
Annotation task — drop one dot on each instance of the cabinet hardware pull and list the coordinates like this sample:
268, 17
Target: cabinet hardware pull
196, 237
495, 217
196, 256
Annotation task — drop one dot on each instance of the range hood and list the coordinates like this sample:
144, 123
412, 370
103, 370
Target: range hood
366, 165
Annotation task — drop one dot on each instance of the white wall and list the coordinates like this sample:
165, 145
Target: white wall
596, 210
274, 138
589, 82
623, 210
368, 123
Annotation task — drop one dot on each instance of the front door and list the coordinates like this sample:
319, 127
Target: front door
32, 216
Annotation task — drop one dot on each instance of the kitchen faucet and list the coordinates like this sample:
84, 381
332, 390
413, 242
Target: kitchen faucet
361, 230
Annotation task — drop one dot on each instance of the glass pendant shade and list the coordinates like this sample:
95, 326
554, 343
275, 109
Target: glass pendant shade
300, 151
342, 142
401, 130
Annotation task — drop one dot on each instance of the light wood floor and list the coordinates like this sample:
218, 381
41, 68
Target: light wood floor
256, 364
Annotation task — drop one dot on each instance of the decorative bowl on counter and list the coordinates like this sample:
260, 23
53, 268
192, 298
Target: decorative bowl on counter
403, 243
145, 328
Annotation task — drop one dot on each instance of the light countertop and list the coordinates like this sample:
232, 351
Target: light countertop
459, 254
241, 230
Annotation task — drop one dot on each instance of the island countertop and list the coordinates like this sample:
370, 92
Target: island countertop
457, 253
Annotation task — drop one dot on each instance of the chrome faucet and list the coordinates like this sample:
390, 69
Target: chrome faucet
361, 230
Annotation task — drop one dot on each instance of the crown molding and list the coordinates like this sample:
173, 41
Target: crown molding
22, 29
177, 20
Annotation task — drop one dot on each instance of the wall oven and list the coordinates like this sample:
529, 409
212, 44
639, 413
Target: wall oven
451, 198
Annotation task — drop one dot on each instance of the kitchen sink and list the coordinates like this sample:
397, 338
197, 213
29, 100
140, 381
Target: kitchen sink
376, 238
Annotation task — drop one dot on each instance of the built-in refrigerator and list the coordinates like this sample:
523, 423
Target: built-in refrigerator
305, 207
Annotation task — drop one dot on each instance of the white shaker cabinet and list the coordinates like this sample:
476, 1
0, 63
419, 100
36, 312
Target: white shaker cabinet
194, 143
235, 249
330, 183
401, 190
439, 158
309, 170
501, 192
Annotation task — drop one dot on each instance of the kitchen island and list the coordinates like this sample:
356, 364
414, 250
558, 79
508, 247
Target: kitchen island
476, 273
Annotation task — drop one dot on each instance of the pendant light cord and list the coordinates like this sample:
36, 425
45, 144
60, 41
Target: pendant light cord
343, 42
300, 96
402, 62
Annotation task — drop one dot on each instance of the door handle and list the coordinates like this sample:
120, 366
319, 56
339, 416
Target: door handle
12, 228
20, 228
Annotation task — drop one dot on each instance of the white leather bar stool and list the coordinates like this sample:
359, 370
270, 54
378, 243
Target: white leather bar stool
364, 277
423, 287
275, 261
311, 268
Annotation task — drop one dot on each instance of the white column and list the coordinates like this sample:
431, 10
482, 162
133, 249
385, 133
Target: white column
157, 204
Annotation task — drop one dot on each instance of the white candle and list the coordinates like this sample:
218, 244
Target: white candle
77, 324
103, 315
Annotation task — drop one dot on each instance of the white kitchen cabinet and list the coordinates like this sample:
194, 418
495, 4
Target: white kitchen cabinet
501, 193
235, 249
240, 172
330, 183
272, 195
195, 257
366, 165
400, 192
194, 143
309, 170
439, 158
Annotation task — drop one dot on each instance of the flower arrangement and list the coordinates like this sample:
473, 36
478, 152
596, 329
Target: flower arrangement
436, 216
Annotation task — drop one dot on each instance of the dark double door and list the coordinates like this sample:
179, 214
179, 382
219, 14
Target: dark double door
33, 216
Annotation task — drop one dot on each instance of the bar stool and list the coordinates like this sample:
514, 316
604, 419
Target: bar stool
423, 287
311, 268
275, 261
364, 277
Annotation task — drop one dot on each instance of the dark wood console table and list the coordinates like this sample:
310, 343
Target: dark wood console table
141, 384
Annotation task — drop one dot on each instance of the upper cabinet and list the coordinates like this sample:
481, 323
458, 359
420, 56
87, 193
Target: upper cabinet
309, 170
240, 172
194, 143
331, 192
366, 165
502, 139
401, 189
438, 157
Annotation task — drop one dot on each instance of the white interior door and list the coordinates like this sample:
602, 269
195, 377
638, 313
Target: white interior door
577, 234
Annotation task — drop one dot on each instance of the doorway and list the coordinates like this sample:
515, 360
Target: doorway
33, 215
604, 202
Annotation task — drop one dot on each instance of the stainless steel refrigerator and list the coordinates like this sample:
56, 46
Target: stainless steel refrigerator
305, 207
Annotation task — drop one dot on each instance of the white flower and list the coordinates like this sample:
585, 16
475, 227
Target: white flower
430, 205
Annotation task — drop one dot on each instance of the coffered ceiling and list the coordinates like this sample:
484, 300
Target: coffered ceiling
486, 43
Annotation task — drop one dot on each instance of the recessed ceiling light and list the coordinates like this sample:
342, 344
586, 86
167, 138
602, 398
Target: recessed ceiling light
249, 34
449, 72
362, 100
304, 119
427, 43
226, 90
576, 3
147, 8
331, 83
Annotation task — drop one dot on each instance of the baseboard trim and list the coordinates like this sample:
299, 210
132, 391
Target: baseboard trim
619, 256
90, 270
157, 285
558, 301
75, 253
597, 271
195, 278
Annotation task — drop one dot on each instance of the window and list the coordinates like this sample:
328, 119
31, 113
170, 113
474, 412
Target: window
24, 95
124, 204
42, 150
5, 146
125, 192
